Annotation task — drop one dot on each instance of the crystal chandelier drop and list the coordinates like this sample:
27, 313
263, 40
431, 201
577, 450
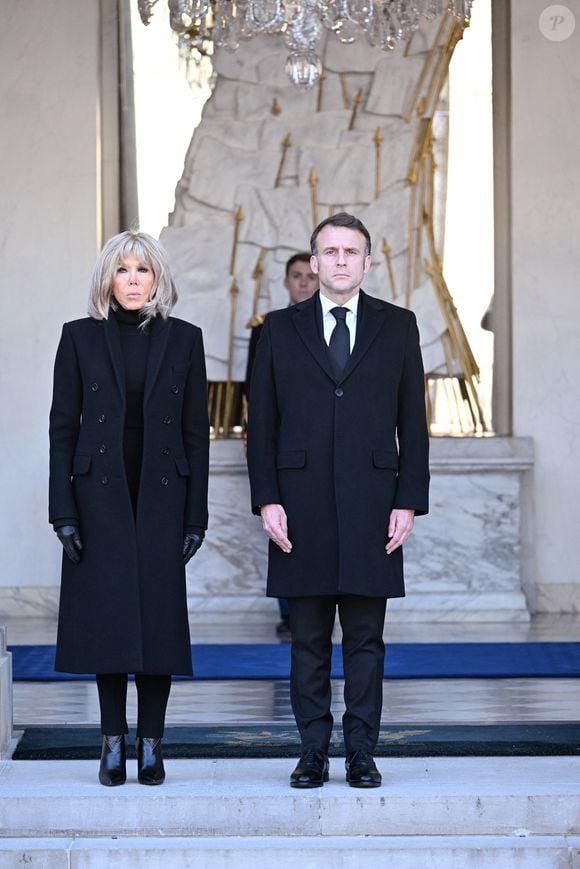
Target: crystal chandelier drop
201, 24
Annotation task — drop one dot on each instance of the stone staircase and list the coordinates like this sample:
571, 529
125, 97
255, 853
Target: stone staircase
430, 813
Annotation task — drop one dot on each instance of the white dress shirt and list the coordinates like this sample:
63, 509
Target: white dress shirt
329, 320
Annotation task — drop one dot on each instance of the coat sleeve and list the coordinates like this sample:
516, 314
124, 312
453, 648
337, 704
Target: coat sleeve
65, 416
413, 436
196, 438
263, 425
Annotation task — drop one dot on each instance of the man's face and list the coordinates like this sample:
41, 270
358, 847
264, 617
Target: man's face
301, 282
340, 261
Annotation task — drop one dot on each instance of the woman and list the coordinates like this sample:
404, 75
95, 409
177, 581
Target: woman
129, 448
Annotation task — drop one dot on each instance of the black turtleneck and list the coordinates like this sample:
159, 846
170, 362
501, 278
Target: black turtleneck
135, 348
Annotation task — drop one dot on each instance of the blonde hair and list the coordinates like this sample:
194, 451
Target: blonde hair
151, 254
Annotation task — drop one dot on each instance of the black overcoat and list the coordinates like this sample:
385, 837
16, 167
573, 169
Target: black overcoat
339, 452
123, 609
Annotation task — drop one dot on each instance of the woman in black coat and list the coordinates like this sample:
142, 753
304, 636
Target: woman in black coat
129, 455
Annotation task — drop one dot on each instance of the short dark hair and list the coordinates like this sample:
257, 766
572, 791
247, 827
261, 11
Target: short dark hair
342, 219
297, 258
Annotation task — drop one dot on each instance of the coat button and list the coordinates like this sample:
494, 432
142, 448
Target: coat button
101, 418
167, 420
104, 480
175, 390
339, 392
165, 451
95, 387
164, 481
102, 449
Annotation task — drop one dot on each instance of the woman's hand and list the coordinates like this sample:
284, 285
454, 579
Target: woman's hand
71, 541
191, 543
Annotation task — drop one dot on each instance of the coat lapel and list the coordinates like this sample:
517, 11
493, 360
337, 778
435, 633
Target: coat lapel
370, 318
307, 318
160, 330
308, 321
113, 340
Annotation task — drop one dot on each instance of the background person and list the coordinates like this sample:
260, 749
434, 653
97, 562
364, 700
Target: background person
129, 448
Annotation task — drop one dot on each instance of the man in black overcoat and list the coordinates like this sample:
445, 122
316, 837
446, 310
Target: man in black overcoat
338, 462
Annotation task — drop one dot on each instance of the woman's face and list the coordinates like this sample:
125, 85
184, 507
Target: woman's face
133, 283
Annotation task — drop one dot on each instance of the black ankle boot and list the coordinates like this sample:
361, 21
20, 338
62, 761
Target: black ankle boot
150, 769
112, 771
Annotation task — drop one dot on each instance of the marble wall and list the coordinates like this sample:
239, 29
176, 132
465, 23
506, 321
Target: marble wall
545, 228
463, 561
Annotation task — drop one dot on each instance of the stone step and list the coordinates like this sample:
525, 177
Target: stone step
465, 797
336, 852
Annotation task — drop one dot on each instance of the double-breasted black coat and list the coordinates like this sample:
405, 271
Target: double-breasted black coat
338, 452
123, 609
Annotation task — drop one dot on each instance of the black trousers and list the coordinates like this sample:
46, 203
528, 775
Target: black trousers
363, 651
152, 697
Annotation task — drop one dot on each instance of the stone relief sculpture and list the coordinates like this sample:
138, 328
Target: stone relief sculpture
268, 161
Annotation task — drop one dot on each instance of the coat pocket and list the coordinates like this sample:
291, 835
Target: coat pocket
291, 459
81, 464
182, 466
387, 459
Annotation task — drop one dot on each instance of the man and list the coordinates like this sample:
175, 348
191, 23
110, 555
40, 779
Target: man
301, 282
338, 461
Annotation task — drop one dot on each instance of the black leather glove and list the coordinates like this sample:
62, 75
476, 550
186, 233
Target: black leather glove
191, 543
71, 541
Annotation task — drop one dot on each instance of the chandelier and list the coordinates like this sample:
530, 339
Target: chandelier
202, 24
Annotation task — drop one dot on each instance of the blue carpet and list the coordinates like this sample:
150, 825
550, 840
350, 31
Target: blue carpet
404, 661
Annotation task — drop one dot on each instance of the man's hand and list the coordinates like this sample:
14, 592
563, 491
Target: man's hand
275, 524
400, 527
71, 542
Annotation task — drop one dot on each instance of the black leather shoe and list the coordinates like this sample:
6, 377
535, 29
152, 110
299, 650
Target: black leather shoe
112, 771
150, 769
311, 770
361, 771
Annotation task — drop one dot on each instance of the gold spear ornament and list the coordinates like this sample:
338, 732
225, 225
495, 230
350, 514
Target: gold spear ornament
410, 245
286, 143
257, 278
378, 140
276, 108
357, 102
321, 81
459, 343
313, 181
387, 252
442, 65
345, 97
234, 292
239, 216
422, 219
418, 149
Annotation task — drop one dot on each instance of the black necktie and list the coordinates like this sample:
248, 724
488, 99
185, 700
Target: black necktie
339, 345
